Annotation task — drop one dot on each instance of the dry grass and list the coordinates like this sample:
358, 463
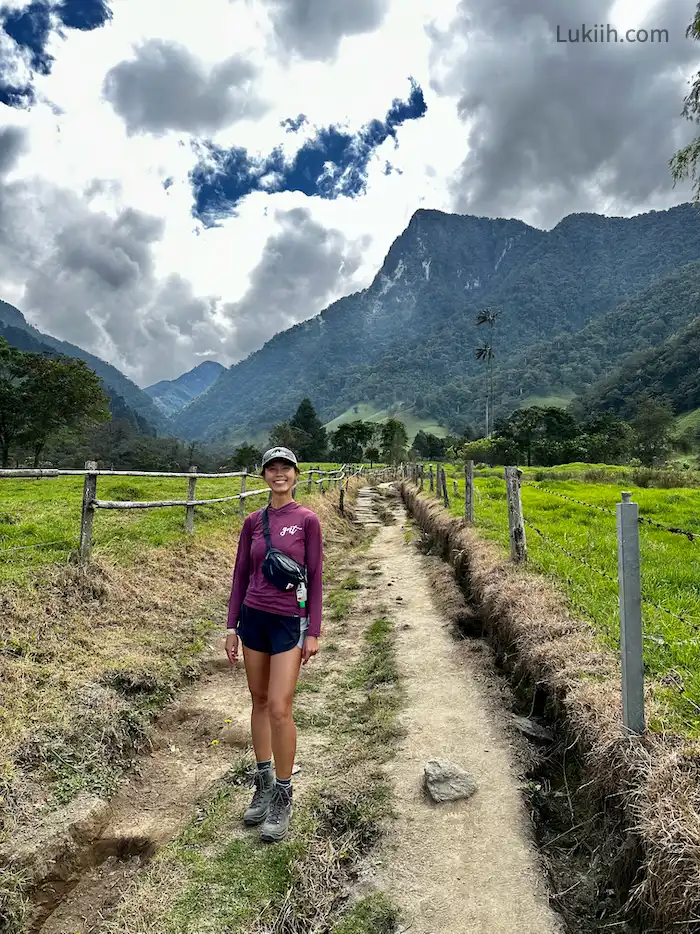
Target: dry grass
646, 789
89, 658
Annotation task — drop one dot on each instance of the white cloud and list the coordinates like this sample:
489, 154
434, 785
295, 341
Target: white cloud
99, 250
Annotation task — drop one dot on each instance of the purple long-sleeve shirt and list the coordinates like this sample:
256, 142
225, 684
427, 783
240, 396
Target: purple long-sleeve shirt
295, 530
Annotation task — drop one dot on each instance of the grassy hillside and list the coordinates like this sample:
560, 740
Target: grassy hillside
369, 412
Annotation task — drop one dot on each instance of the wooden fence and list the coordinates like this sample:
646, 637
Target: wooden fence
324, 479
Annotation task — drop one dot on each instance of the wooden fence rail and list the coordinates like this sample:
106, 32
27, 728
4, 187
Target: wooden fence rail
324, 479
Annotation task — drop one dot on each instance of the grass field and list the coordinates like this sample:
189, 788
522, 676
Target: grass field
40, 519
576, 546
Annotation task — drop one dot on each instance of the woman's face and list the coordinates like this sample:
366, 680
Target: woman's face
280, 476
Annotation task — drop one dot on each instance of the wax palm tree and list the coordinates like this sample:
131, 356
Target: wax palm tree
488, 316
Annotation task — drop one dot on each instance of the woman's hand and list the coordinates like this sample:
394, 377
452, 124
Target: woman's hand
309, 649
232, 646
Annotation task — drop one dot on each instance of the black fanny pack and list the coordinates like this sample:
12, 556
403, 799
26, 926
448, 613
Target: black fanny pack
278, 568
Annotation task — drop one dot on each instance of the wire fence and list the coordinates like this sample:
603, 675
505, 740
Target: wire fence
586, 544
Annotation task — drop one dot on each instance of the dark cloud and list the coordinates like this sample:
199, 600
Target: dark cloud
302, 269
24, 36
331, 164
559, 126
165, 88
90, 278
314, 28
12, 145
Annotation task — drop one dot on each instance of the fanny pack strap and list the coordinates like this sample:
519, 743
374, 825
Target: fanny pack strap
266, 528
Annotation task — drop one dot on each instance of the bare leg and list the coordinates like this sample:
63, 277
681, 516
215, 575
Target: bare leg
284, 671
257, 669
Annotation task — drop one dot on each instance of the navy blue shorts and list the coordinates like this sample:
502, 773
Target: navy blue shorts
269, 632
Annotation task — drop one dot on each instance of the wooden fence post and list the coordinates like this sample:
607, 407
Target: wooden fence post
446, 498
88, 514
455, 489
422, 477
242, 501
516, 526
432, 482
311, 479
469, 491
191, 492
342, 501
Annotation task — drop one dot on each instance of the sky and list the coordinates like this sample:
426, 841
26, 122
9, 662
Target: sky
176, 186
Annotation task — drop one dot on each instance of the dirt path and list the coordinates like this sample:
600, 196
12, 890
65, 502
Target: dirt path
468, 867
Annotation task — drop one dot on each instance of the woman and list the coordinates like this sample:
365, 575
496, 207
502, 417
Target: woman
276, 634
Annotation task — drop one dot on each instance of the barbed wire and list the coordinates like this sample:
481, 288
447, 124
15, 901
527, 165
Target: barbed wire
570, 554
544, 489
64, 541
691, 536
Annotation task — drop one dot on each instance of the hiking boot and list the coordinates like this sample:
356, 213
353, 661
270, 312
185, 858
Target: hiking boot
277, 824
260, 805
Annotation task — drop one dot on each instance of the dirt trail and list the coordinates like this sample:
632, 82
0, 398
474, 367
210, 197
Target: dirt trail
468, 867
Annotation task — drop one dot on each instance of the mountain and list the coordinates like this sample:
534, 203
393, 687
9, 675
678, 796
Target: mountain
671, 370
125, 394
172, 395
413, 331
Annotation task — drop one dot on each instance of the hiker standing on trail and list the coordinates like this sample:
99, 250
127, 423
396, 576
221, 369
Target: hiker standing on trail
278, 565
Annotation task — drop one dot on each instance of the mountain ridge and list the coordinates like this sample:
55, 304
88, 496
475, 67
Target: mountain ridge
172, 395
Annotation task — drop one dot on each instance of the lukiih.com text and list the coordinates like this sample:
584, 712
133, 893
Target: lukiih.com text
602, 32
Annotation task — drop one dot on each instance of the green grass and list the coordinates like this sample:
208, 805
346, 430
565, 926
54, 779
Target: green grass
689, 420
579, 553
369, 412
40, 519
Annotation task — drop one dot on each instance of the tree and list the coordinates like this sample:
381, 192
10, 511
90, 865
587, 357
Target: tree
394, 441
12, 409
684, 164
60, 394
246, 457
284, 436
349, 440
372, 455
652, 425
488, 316
314, 442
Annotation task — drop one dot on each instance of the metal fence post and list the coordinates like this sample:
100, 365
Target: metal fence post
469, 491
189, 510
516, 526
631, 640
242, 501
88, 513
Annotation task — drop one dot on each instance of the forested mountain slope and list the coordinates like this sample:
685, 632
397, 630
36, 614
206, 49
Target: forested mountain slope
115, 383
413, 330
